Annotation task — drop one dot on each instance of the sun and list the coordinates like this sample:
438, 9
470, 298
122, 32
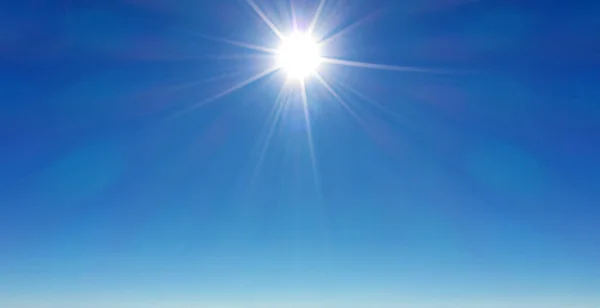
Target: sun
299, 55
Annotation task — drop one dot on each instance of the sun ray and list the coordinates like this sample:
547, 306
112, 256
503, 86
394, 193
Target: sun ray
326, 40
180, 86
369, 130
383, 67
294, 17
272, 120
246, 45
309, 135
264, 17
230, 90
233, 57
241, 44
367, 99
315, 18
339, 99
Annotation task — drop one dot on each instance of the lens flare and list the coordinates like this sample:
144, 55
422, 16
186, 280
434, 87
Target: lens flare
301, 54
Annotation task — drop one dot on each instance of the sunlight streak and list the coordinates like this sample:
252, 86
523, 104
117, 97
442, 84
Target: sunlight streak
270, 125
368, 99
384, 67
265, 18
339, 99
234, 57
294, 17
369, 130
230, 90
233, 42
315, 18
181, 86
309, 135
324, 41
241, 44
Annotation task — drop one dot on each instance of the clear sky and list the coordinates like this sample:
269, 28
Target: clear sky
471, 181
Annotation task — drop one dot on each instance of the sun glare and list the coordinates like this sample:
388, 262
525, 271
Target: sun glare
298, 55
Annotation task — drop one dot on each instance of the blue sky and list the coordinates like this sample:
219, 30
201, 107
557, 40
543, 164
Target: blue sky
473, 182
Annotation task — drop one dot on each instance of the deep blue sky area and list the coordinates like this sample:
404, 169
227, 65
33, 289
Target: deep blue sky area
472, 183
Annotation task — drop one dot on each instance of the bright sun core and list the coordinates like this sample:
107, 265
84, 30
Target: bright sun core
299, 55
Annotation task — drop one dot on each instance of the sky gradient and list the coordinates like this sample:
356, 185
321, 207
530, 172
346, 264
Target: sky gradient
473, 181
